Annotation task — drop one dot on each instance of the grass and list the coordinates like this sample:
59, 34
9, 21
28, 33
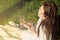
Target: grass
12, 10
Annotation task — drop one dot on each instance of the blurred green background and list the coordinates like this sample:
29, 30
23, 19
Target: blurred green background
12, 10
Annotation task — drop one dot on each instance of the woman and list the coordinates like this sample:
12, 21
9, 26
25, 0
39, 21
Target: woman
45, 25
47, 13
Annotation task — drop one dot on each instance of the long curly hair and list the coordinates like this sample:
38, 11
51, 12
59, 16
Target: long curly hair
50, 9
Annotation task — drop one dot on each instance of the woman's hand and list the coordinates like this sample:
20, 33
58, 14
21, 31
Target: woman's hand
31, 28
30, 24
22, 21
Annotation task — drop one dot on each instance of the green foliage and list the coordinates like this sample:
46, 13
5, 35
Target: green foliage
12, 10
29, 11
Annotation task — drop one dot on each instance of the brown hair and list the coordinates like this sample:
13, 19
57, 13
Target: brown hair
50, 9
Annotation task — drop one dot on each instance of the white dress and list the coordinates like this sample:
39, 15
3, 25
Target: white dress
26, 35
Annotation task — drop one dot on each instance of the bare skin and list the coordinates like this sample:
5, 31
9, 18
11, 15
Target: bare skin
29, 25
41, 12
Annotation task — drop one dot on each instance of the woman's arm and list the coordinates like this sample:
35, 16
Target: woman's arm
31, 27
28, 25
